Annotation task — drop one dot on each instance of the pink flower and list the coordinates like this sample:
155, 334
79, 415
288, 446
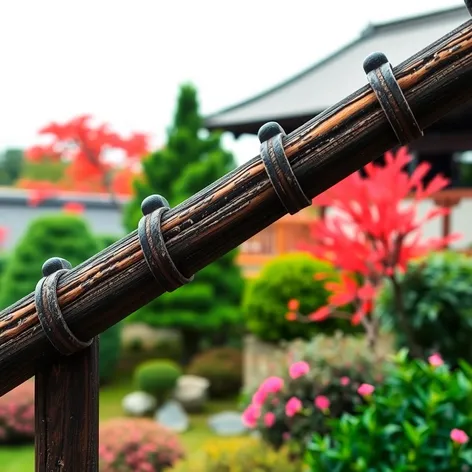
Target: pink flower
286, 436
299, 369
259, 398
365, 390
459, 436
345, 381
272, 385
435, 360
322, 402
293, 406
251, 415
269, 419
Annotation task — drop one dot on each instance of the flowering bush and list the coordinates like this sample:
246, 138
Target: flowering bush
137, 445
17, 414
418, 419
240, 455
289, 410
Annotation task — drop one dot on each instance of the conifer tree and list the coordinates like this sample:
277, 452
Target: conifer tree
55, 235
191, 159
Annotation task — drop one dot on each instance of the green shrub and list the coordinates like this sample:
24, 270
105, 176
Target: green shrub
55, 235
110, 351
3, 263
287, 277
408, 423
131, 445
222, 367
157, 377
437, 295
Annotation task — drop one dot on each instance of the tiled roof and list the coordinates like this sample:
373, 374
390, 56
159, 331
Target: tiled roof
338, 75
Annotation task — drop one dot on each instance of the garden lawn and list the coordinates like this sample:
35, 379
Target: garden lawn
21, 458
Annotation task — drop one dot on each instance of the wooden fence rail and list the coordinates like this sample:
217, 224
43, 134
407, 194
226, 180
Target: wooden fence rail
52, 333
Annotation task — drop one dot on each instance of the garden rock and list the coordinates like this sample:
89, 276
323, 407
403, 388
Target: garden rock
191, 392
173, 416
138, 404
227, 423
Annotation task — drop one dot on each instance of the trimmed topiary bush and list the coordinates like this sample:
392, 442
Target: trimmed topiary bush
17, 414
131, 445
55, 235
288, 277
157, 377
222, 367
437, 296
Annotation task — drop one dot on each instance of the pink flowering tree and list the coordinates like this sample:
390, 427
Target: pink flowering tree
372, 235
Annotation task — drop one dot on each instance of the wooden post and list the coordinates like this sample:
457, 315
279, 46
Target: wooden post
66, 413
66, 388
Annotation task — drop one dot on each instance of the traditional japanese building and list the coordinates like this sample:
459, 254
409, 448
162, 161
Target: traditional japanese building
447, 145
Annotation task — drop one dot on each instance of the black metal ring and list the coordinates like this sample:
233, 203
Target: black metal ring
50, 316
156, 254
390, 96
278, 168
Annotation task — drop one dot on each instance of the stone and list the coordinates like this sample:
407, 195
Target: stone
172, 416
138, 404
191, 392
227, 423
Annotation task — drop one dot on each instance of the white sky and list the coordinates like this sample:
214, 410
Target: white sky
122, 60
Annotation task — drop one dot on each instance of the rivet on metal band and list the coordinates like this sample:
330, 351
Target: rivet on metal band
278, 168
390, 96
154, 247
49, 312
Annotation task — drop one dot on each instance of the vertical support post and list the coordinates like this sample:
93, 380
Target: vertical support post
66, 413
66, 389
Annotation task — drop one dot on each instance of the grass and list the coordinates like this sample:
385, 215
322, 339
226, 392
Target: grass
21, 458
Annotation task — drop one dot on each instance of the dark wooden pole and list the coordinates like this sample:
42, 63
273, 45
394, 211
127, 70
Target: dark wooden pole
66, 412
114, 283
66, 387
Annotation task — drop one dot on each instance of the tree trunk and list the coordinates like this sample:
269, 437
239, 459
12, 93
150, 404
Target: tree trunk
414, 349
190, 344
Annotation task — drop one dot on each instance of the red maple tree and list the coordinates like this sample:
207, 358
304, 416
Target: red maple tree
372, 234
86, 148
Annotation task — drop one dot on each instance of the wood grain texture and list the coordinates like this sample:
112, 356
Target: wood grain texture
114, 283
66, 413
